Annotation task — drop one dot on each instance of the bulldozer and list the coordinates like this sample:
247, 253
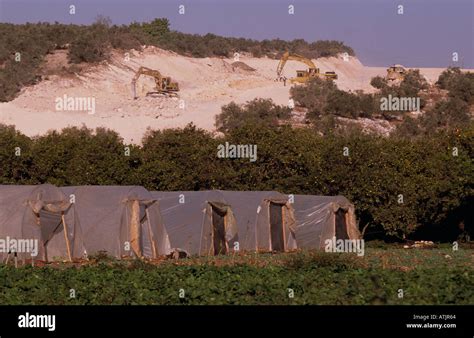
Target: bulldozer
396, 73
302, 76
164, 84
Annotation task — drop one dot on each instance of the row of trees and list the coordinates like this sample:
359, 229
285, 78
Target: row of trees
158, 33
399, 186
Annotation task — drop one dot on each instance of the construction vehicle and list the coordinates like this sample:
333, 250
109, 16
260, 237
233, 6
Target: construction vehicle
396, 73
164, 84
302, 76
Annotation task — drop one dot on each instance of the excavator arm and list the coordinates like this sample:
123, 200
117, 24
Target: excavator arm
302, 76
164, 84
150, 72
295, 57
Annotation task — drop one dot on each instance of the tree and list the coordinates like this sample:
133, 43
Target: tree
156, 32
78, 156
447, 77
411, 84
15, 157
258, 111
448, 114
183, 159
379, 82
91, 45
313, 96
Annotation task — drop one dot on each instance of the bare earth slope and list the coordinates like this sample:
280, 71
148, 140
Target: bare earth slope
206, 84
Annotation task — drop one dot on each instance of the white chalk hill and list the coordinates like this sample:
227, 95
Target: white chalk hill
206, 84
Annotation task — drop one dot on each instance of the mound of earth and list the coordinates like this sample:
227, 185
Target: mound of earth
243, 66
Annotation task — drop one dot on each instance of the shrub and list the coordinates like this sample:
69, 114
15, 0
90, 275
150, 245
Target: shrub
93, 45
460, 85
313, 96
410, 127
151, 32
378, 82
410, 87
182, 159
342, 103
463, 89
256, 111
350, 105
413, 82
283, 160
330, 48
322, 97
78, 156
449, 114
31, 42
15, 157
122, 38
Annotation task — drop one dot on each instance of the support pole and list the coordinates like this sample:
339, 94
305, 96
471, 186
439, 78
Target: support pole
66, 237
150, 234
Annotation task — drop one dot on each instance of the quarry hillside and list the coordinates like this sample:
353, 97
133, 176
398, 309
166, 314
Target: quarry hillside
206, 84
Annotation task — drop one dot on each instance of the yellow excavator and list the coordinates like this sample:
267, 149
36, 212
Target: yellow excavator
302, 76
164, 84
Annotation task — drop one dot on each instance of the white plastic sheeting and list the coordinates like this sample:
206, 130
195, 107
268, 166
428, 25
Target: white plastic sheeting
35, 212
119, 220
316, 219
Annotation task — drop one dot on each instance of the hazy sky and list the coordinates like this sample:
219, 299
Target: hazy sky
426, 34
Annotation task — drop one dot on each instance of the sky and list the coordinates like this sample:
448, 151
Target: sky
425, 35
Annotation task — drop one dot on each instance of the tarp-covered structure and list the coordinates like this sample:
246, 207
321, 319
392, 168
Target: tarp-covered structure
321, 218
217, 222
198, 222
122, 221
41, 213
265, 220
214, 222
130, 221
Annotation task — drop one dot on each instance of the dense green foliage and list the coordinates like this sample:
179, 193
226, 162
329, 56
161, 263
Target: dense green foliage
451, 112
257, 111
315, 278
322, 98
93, 43
101, 157
15, 156
434, 173
460, 85
410, 86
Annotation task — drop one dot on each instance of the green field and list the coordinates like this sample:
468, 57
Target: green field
426, 276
